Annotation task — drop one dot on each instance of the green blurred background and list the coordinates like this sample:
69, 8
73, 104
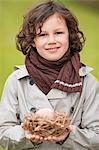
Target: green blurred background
11, 16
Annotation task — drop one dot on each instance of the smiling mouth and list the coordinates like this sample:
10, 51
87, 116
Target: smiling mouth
53, 48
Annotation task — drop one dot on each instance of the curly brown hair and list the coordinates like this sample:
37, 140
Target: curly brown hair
35, 18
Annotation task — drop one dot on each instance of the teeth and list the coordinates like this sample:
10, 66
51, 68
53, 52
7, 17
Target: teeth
53, 48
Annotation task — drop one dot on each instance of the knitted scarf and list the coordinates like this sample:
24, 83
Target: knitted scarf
62, 74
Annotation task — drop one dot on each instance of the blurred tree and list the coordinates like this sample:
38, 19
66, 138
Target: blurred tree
91, 3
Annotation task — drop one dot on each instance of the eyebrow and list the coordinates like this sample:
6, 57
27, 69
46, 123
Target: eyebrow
54, 30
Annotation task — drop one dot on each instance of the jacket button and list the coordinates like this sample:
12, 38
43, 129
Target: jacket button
33, 109
31, 82
71, 110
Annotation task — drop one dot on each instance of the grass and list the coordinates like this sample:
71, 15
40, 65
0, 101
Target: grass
11, 13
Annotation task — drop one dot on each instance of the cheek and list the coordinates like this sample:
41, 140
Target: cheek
64, 40
65, 43
37, 45
40, 43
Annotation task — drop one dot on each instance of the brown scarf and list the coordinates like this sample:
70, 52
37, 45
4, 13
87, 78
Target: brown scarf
62, 74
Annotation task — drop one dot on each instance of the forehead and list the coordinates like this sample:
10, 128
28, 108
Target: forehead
54, 18
53, 21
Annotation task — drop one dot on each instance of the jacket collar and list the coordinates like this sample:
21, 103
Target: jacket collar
22, 71
83, 71
57, 94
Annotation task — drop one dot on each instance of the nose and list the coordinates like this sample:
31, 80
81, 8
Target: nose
51, 39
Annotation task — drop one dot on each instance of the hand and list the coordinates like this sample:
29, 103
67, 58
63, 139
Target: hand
27, 119
33, 138
37, 138
26, 125
59, 138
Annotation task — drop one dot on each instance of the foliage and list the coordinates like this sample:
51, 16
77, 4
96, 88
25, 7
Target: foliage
11, 13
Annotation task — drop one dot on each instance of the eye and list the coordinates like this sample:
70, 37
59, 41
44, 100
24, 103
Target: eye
59, 32
43, 34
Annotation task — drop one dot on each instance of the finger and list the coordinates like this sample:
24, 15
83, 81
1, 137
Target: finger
54, 138
45, 138
33, 136
41, 139
60, 138
22, 125
70, 128
49, 138
29, 136
36, 138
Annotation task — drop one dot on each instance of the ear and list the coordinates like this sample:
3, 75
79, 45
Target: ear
33, 44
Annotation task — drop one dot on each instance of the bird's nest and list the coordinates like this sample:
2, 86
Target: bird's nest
43, 127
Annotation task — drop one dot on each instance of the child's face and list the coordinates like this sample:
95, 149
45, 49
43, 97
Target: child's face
53, 41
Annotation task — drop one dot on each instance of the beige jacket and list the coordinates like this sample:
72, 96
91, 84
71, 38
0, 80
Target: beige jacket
21, 94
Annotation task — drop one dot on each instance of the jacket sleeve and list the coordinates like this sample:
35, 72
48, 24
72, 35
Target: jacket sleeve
12, 136
87, 135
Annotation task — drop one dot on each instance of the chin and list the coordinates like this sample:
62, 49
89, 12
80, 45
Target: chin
53, 59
